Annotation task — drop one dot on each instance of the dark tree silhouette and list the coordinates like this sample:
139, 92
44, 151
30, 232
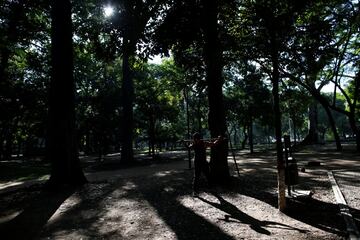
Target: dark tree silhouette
61, 137
214, 79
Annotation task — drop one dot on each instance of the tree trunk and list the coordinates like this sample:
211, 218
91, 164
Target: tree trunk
61, 144
216, 116
280, 158
8, 145
199, 115
333, 126
152, 135
313, 134
358, 140
186, 96
251, 139
355, 129
127, 153
235, 138
243, 143
294, 130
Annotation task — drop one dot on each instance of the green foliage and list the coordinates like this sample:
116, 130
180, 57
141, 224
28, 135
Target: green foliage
158, 101
317, 43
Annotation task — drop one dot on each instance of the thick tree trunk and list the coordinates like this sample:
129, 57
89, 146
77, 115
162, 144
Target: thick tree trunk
333, 127
127, 153
280, 158
313, 134
216, 118
61, 144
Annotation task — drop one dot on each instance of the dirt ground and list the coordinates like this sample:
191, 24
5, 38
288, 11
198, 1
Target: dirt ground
155, 202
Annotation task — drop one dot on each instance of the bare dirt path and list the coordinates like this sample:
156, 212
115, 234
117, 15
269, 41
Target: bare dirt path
155, 202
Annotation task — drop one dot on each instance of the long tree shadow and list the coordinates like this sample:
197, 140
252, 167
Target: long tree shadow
25, 225
319, 214
322, 215
235, 213
83, 211
185, 223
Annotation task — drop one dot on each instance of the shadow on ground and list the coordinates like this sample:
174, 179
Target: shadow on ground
34, 216
89, 213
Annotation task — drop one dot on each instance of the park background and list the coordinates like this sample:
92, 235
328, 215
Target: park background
116, 84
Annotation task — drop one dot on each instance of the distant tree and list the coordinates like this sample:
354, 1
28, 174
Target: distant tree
24, 31
322, 52
295, 103
157, 101
248, 98
265, 28
129, 30
314, 42
340, 119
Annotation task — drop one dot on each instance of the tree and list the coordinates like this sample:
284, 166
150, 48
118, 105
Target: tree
214, 65
157, 100
24, 27
61, 135
295, 103
248, 98
314, 42
193, 25
325, 39
265, 29
131, 26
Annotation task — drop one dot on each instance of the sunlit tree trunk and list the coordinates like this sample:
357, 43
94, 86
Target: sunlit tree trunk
216, 118
61, 139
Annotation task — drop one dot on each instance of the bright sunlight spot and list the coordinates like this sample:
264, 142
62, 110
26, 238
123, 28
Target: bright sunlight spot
108, 11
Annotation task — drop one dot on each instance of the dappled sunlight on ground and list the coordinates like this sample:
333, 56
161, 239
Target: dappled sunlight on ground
115, 214
156, 202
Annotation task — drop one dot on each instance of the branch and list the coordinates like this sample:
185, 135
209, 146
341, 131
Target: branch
342, 91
